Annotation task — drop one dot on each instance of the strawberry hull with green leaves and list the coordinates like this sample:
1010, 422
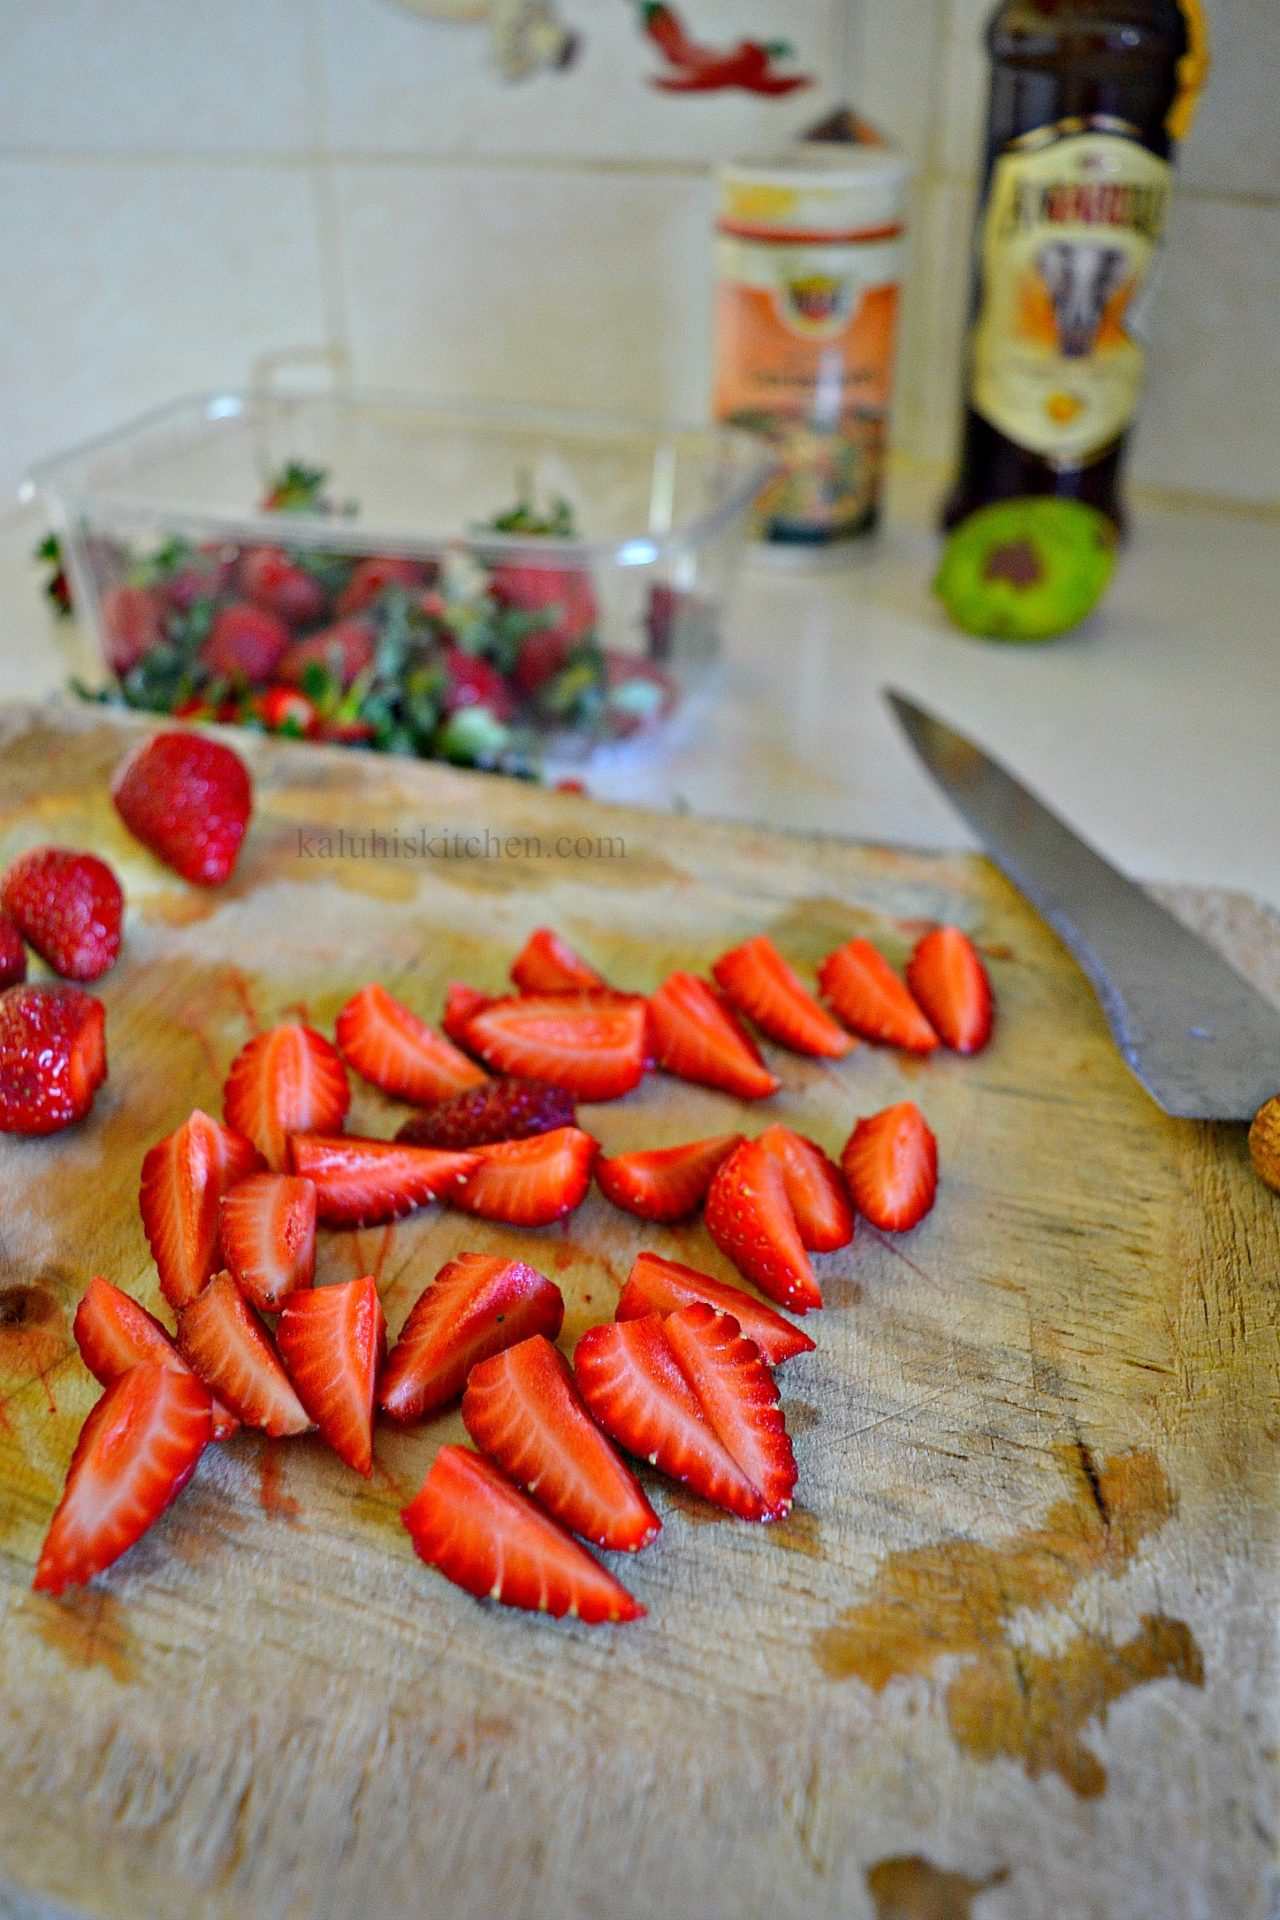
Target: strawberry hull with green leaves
484, 657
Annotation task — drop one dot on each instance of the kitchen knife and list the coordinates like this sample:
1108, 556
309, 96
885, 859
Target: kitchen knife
1203, 1042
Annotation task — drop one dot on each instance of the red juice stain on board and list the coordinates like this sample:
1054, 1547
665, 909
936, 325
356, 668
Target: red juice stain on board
33, 1335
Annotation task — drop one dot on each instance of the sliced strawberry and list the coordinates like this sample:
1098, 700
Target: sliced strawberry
594, 1046
135, 1454
736, 1391
815, 1188
869, 997
668, 1183
749, 1217
490, 1539
184, 1177
523, 1409
461, 1003
548, 964
891, 1164
286, 1080
528, 1183
950, 982
332, 1341
503, 1109
635, 1387
760, 984
655, 1285
363, 1183
697, 1037
222, 1339
268, 1235
114, 1333
476, 1305
400, 1053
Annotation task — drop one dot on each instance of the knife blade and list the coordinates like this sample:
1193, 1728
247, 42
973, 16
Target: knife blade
1203, 1042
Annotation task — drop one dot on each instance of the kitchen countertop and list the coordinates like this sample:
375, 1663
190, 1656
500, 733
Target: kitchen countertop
1153, 730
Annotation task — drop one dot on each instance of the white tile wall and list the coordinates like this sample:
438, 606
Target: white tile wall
184, 191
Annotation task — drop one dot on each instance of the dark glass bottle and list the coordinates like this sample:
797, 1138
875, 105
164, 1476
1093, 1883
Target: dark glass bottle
1087, 100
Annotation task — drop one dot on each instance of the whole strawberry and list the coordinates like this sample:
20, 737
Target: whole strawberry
509, 1109
13, 955
188, 798
246, 642
53, 1057
67, 906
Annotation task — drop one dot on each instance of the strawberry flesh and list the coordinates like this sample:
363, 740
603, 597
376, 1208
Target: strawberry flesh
188, 799
390, 1046
53, 1057
490, 1539
815, 1188
869, 997
476, 1306
668, 1183
593, 1045
114, 1333
749, 1216
761, 985
184, 1177
365, 1183
655, 1285
891, 1164
267, 1228
548, 964
68, 906
222, 1339
697, 1037
460, 1004
504, 1109
523, 1409
332, 1341
528, 1183
289, 1079
949, 980
136, 1452
736, 1390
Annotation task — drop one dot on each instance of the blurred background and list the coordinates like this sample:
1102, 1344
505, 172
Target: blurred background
356, 190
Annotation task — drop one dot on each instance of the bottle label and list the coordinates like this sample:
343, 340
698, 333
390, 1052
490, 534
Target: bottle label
1072, 227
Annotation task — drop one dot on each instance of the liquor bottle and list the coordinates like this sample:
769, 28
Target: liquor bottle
1088, 101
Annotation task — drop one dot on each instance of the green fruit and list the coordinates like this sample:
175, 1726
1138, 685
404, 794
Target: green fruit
1026, 569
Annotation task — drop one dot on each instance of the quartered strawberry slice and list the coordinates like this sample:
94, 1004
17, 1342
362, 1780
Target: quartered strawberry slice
332, 1341
749, 1216
476, 1305
527, 1183
286, 1080
222, 1339
548, 964
268, 1235
114, 1333
135, 1454
460, 1003
655, 1285
869, 997
815, 1188
697, 1037
668, 1183
950, 982
891, 1164
363, 1183
760, 984
390, 1046
595, 1046
634, 1385
490, 1539
184, 1177
523, 1409
736, 1391
505, 1109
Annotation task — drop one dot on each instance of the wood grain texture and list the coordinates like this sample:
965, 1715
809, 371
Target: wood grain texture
1011, 1657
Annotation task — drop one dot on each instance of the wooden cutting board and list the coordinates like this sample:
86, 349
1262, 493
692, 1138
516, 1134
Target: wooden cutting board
1011, 1657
